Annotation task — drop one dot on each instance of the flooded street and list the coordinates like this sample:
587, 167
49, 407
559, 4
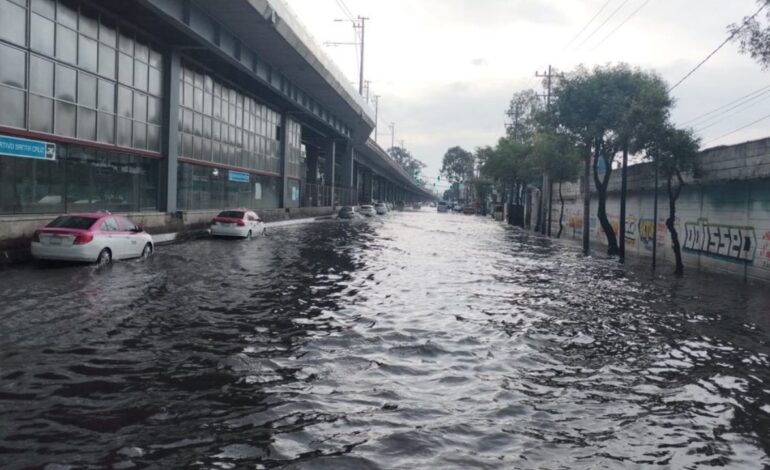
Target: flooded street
417, 340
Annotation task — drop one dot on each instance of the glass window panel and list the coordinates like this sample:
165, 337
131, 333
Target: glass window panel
140, 106
13, 23
64, 122
11, 107
215, 131
67, 13
198, 99
106, 96
153, 138
106, 61
140, 135
198, 80
87, 53
66, 44
125, 69
126, 42
197, 147
44, 7
153, 110
38, 186
125, 102
106, 128
86, 90
107, 32
124, 132
43, 39
89, 22
188, 121
198, 124
140, 75
86, 123
66, 82
207, 127
188, 95
142, 52
156, 59
187, 145
155, 87
40, 114
12, 66
41, 76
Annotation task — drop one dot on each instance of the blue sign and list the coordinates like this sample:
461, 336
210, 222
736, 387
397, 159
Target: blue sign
601, 167
26, 148
238, 176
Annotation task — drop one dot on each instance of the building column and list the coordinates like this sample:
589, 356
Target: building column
170, 130
330, 150
346, 172
283, 151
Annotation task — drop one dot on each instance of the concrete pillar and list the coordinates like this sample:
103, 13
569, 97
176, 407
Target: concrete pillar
170, 131
346, 173
283, 153
330, 151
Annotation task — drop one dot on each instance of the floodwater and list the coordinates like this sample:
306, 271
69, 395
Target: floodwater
417, 340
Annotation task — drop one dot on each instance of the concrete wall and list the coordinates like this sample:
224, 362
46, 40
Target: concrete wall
723, 217
16, 231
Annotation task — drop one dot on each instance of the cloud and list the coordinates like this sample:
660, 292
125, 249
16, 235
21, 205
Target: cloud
479, 62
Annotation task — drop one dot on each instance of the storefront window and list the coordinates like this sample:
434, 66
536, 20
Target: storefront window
203, 187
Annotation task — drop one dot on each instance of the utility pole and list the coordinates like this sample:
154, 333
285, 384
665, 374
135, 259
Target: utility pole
359, 23
392, 134
367, 87
546, 218
376, 115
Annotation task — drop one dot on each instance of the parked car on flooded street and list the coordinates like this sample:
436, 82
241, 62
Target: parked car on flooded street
240, 223
367, 210
381, 208
91, 237
347, 212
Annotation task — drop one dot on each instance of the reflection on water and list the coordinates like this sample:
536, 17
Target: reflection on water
422, 340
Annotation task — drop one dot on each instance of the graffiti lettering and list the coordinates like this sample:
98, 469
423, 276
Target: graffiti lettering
647, 232
725, 241
631, 227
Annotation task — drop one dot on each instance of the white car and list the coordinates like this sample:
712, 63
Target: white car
381, 208
367, 210
241, 223
92, 237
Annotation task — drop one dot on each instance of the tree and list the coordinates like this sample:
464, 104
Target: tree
404, 158
458, 164
754, 36
557, 156
674, 152
509, 164
604, 110
523, 116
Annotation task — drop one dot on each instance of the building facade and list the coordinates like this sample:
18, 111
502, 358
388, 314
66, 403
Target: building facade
176, 105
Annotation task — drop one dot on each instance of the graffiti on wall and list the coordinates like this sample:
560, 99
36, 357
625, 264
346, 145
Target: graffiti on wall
647, 233
724, 241
764, 254
631, 229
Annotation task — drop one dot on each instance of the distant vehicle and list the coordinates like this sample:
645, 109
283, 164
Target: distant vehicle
416, 206
457, 208
442, 206
432, 204
381, 208
98, 237
347, 212
367, 210
470, 210
241, 223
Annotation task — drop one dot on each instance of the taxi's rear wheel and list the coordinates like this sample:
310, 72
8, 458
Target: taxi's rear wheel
104, 258
249, 235
147, 250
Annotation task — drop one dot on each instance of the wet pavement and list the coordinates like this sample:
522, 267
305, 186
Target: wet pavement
417, 340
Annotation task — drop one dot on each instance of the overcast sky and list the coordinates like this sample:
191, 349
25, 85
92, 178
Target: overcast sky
446, 69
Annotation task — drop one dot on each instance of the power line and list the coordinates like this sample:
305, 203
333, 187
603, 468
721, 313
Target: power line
700, 116
588, 24
729, 38
716, 119
345, 9
606, 20
633, 13
714, 123
739, 129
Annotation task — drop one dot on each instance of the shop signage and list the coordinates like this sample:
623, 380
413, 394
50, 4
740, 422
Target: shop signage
26, 148
238, 176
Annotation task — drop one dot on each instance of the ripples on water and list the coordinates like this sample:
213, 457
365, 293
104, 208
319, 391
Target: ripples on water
422, 341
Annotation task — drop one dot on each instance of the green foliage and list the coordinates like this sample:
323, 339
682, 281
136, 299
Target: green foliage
510, 162
524, 116
675, 151
754, 37
404, 158
557, 156
458, 164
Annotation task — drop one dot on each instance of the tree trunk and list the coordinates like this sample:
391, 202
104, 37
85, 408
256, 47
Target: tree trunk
672, 197
601, 214
587, 198
561, 212
623, 189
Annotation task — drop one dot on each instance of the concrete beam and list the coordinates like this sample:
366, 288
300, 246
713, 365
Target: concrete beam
170, 140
